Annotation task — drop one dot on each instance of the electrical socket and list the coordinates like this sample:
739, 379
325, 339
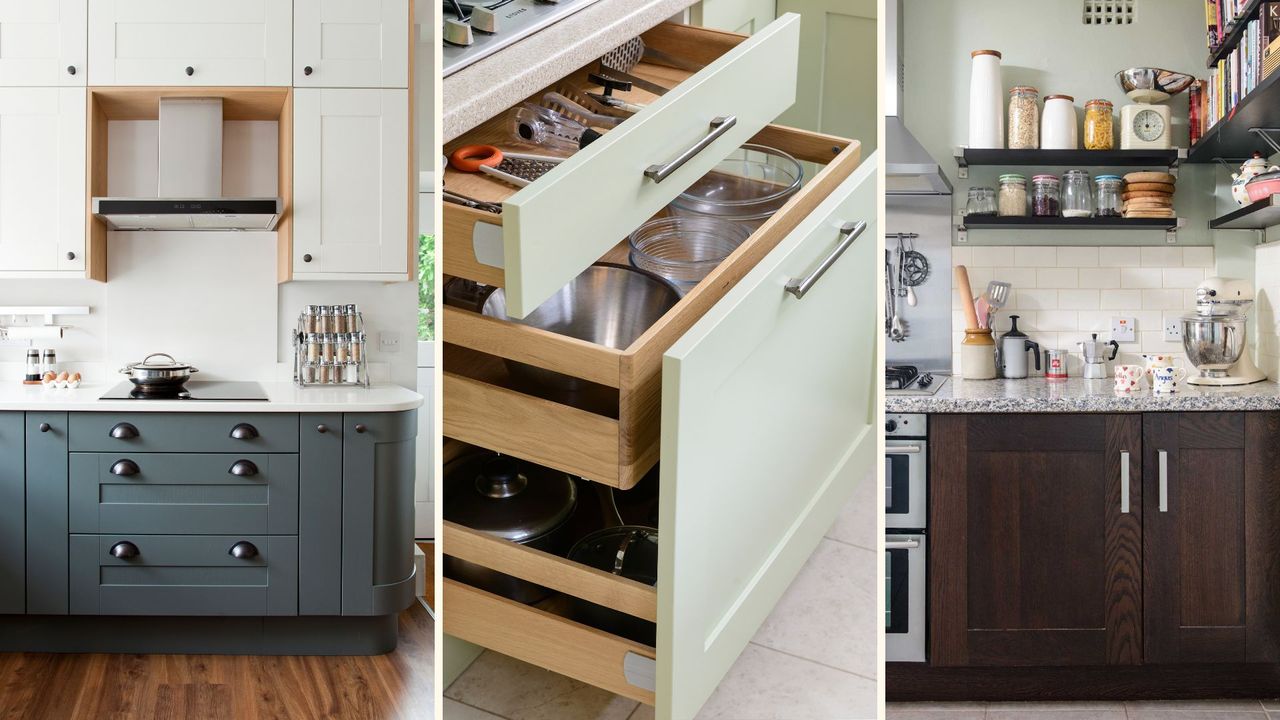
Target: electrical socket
1172, 330
1124, 329
389, 342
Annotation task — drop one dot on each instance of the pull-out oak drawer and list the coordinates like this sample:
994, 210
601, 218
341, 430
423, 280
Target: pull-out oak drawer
611, 434
157, 493
184, 575
551, 230
184, 432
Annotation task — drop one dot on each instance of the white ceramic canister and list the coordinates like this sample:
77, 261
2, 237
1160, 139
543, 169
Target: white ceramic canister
1058, 129
986, 101
978, 355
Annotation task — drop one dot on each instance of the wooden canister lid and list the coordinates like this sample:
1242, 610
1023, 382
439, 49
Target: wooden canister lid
976, 53
1068, 98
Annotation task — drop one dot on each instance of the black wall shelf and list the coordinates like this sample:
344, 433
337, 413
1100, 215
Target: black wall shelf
1232, 38
990, 222
997, 157
1230, 138
1254, 216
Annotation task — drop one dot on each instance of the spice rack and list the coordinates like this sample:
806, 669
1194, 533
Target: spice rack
329, 347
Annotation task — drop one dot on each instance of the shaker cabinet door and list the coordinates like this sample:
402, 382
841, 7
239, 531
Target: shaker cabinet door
351, 184
768, 422
43, 43
189, 42
13, 565
42, 181
351, 43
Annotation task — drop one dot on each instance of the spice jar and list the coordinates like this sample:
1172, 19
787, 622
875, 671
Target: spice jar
1044, 196
327, 342
1077, 194
1024, 118
48, 361
351, 373
308, 373
982, 201
1058, 123
353, 318
310, 319
1109, 201
313, 347
33, 366
342, 350
324, 319
357, 347
1013, 195
1097, 125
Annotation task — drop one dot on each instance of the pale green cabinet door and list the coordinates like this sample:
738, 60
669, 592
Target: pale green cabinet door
553, 229
740, 16
768, 407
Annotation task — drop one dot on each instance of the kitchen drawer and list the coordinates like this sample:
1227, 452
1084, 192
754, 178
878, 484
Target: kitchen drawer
184, 575
551, 641
157, 493
184, 432
612, 439
551, 230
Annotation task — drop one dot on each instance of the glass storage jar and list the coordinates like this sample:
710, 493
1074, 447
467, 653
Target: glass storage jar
1044, 196
982, 201
1013, 195
1077, 194
1024, 118
1098, 133
1109, 201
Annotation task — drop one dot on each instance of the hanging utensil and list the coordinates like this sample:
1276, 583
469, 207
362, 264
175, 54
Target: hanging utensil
518, 169
997, 293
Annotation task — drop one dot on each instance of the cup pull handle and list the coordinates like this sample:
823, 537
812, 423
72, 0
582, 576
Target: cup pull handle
719, 126
849, 233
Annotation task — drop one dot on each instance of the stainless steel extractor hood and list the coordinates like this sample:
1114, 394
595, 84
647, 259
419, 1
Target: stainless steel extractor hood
909, 168
189, 179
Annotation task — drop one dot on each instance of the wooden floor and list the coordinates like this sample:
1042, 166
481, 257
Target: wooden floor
400, 685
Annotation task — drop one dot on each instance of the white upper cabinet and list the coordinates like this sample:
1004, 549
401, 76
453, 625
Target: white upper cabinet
42, 43
351, 43
190, 42
351, 184
42, 181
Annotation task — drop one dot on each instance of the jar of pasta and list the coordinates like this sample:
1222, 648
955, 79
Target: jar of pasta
1098, 133
1024, 118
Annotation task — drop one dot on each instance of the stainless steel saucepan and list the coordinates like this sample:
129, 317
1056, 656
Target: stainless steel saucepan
158, 376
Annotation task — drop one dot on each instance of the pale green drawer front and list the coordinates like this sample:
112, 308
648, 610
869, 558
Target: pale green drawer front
553, 229
768, 407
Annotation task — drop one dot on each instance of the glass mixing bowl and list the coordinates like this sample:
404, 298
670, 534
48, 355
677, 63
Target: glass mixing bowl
747, 187
685, 249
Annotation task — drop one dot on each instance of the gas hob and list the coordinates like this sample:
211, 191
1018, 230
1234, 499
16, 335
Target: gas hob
909, 380
475, 29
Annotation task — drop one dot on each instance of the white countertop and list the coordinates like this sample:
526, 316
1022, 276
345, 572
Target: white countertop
283, 397
484, 89
1077, 395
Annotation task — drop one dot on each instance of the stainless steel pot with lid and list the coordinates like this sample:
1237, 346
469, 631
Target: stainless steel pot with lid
512, 499
152, 374
629, 551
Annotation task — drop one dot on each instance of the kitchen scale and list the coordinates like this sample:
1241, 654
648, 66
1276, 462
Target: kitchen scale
1144, 125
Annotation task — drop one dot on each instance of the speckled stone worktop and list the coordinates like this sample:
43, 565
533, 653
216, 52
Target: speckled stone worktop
1075, 395
480, 91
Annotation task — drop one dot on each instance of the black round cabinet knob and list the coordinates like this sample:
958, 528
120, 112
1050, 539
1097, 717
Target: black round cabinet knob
307, 70
190, 71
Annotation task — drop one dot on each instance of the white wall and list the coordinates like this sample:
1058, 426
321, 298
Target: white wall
210, 297
1268, 309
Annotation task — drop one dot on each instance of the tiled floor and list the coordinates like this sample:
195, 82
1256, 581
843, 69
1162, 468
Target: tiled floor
1182, 710
813, 659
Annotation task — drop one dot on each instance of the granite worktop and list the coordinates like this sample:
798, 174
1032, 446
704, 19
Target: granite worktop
484, 89
1077, 395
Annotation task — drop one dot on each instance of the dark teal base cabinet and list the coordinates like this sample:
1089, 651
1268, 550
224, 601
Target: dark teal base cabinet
252, 533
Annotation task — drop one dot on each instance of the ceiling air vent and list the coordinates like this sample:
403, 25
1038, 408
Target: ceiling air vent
1109, 12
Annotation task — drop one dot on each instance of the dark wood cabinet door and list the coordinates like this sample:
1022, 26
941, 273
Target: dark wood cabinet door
1212, 501
1035, 557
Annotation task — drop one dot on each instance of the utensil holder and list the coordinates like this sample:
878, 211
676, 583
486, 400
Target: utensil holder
331, 358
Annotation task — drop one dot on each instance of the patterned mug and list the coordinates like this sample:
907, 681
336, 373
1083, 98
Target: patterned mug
1127, 378
1154, 361
1165, 379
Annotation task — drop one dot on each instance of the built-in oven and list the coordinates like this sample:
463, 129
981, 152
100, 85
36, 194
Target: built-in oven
906, 458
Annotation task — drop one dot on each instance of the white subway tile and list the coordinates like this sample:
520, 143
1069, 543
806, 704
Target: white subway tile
961, 256
979, 277
1036, 299
1027, 319
1098, 321
1201, 257
990, 256
1147, 319
1058, 320
1078, 300
1102, 278
1183, 277
1119, 257
1057, 277
1162, 300
1141, 277
1017, 277
1078, 257
1035, 256
1162, 257
1121, 299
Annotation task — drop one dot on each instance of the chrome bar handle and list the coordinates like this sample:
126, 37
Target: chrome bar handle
1124, 481
901, 544
1164, 481
719, 126
849, 232
903, 450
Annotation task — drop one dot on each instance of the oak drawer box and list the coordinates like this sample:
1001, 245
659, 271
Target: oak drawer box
184, 432
201, 493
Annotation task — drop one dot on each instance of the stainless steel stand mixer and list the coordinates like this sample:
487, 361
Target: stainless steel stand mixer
1095, 357
1214, 334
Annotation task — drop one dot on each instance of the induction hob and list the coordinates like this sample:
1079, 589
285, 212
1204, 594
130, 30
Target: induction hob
194, 390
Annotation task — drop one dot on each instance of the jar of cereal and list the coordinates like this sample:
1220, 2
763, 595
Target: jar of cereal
1024, 118
1013, 195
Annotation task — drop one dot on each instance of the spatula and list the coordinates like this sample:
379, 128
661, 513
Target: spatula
997, 294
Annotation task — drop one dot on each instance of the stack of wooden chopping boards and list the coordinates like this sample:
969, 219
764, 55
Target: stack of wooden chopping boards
1148, 195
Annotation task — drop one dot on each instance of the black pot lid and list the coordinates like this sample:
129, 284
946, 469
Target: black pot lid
627, 550
507, 497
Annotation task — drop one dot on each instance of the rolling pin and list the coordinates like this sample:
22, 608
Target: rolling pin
966, 296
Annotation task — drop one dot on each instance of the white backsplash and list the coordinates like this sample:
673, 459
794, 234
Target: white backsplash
1267, 308
1064, 294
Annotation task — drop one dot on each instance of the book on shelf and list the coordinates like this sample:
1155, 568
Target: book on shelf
1240, 71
